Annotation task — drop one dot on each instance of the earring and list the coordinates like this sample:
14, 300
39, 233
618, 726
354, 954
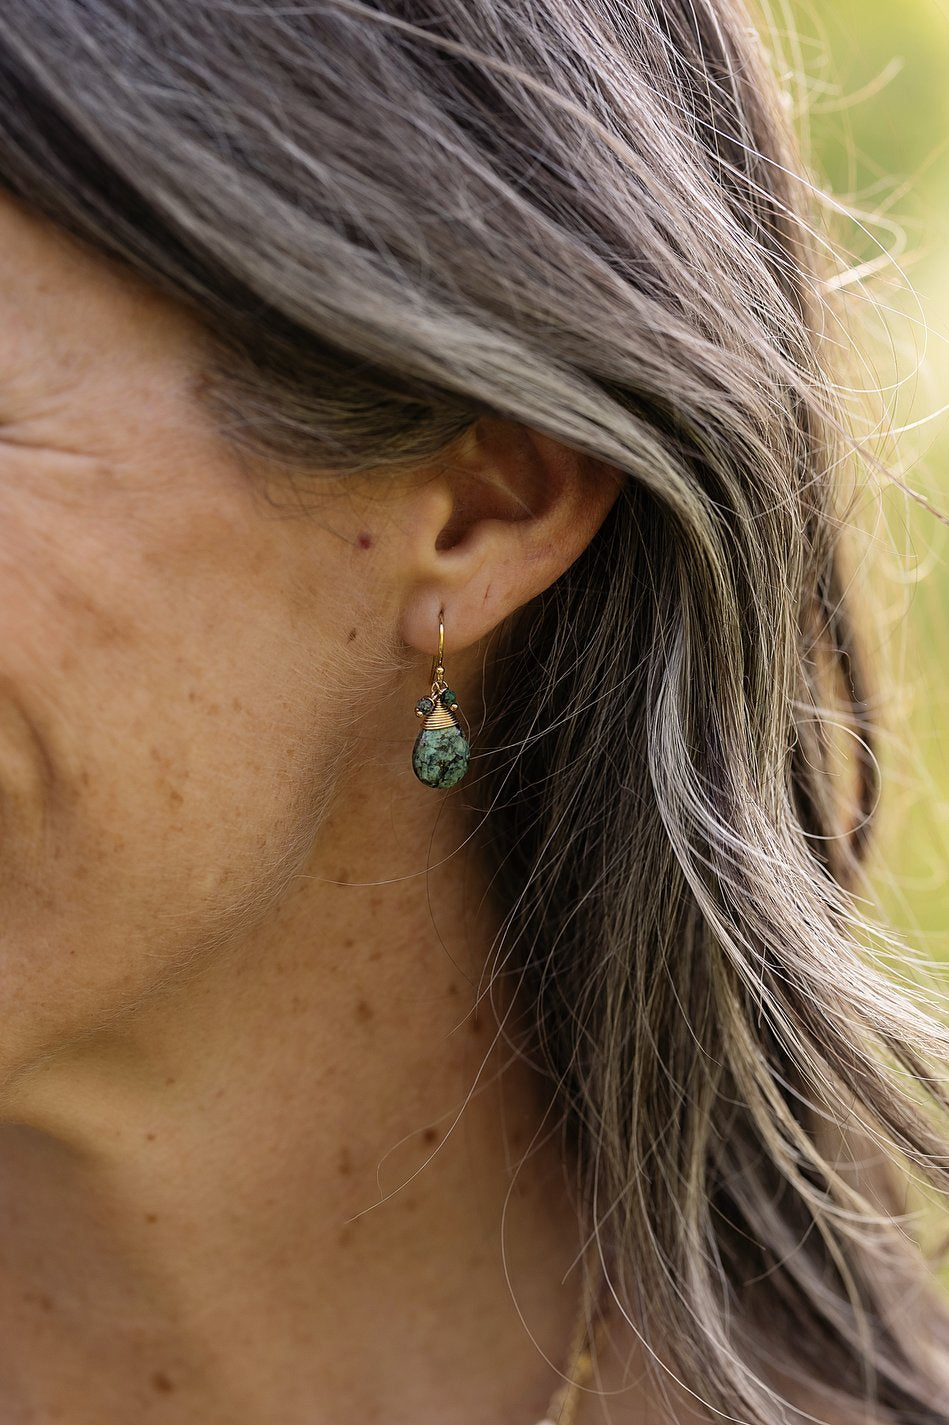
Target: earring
440, 754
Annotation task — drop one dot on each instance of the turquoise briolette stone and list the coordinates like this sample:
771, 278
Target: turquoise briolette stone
440, 756
447, 698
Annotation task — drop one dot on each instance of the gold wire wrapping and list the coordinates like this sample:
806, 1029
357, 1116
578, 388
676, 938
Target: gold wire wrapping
439, 717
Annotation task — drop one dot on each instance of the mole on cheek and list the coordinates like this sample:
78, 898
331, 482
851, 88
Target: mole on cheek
364, 541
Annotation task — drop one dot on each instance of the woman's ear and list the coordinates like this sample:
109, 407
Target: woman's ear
504, 514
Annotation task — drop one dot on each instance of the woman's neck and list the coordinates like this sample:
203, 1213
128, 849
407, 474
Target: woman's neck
274, 1189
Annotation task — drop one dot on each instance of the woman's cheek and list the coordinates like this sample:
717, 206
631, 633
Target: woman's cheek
157, 766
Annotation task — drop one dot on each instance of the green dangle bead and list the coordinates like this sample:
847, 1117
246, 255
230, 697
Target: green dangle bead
441, 752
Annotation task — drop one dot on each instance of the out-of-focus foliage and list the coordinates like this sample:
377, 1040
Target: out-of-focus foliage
870, 84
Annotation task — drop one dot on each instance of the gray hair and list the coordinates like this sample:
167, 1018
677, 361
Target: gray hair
392, 218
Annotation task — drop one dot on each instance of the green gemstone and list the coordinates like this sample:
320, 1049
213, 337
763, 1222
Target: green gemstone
440, 756
448, 697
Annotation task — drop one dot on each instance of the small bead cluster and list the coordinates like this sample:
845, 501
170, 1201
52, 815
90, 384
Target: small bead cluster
446, 697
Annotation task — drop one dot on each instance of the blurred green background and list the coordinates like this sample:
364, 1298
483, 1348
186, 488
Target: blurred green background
869, 81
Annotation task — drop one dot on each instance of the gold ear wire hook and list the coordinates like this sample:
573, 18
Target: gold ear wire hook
438, 667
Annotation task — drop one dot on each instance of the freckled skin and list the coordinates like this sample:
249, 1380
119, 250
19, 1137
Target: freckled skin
129, 545
237, 937
173, 659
